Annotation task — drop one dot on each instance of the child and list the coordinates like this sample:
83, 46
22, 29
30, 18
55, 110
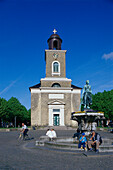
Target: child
82, 141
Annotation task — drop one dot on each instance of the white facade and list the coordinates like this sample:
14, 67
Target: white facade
56, 108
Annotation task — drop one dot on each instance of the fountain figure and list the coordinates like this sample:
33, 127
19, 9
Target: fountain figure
87, 95
88, 118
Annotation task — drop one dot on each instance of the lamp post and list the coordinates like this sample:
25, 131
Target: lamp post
15, 121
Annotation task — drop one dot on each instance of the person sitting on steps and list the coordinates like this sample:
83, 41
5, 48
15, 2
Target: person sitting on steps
51, 134
95, 140
82, 141
77, 134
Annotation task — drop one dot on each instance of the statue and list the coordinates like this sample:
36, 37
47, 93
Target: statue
87, 95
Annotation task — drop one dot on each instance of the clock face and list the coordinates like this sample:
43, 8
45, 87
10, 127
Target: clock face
55, 56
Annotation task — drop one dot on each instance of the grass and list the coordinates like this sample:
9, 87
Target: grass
13, 127
105, 127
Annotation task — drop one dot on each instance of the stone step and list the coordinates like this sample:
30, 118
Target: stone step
107, 141
40, 143
60, 128
75, 146
72, 144
73, 140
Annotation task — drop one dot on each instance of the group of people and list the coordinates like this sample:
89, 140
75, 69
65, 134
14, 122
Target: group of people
51, 134
93, 142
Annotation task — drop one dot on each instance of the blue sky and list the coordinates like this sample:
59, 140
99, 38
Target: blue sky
86, 28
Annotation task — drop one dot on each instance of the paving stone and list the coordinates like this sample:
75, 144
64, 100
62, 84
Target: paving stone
15, 156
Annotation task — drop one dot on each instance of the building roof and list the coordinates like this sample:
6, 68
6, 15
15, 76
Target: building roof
75, 87
35, 86
54, 36
39, 85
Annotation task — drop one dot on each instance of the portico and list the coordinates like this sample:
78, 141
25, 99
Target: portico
56, 113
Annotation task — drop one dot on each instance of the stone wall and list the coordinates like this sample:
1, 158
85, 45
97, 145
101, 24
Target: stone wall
50, 59
50, 83
40, 111
35, 109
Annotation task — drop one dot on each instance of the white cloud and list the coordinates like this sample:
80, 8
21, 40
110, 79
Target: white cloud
8, 87
108, 56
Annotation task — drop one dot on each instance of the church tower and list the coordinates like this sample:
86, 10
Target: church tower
54, 98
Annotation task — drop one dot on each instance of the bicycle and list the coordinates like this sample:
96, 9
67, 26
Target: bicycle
24, 136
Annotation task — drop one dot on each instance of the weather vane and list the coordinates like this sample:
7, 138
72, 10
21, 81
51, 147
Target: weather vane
54, 31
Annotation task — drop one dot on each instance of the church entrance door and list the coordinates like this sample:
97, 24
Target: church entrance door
56, 114
56, 120
56, 117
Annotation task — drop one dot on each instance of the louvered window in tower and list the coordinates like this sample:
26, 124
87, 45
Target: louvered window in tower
55, 67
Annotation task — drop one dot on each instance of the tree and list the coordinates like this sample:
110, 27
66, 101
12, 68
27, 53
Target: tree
103, 102
3, 110
28, 117
12, 110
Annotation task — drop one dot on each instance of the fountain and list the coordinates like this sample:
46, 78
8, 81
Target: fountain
86, 121
88, 118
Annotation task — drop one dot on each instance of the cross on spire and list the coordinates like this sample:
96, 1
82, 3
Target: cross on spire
54, 31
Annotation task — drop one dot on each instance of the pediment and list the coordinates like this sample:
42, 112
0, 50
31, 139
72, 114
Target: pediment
56, 102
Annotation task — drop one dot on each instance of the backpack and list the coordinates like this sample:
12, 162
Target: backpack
100, 139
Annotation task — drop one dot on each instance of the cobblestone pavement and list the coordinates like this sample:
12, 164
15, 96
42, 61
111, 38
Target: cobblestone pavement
15, 156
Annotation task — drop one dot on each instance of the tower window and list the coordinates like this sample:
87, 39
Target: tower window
56, 85
55, 68
55, 45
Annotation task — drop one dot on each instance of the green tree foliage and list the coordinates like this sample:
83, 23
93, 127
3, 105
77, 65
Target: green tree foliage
3, 109
13, 108
29, 115
103, 102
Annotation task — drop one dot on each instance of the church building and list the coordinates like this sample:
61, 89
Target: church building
55, 97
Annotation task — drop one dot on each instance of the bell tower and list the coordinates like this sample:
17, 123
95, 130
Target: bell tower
55, 57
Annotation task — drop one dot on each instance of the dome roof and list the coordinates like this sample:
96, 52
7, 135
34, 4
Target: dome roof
54, 42
54, 36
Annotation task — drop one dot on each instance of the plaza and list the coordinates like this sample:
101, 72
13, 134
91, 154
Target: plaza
15, 154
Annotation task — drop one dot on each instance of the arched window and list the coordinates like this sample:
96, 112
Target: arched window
55, 45
55, 67
56, 85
